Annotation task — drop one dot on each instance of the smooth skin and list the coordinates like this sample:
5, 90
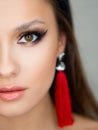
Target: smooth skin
31, 65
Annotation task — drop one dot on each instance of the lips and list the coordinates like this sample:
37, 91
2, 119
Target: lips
14, 88
11, 93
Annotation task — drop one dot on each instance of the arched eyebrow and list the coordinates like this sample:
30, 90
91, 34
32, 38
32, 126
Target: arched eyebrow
27, 25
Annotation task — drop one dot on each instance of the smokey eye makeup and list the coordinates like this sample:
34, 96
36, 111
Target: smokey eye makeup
32, 37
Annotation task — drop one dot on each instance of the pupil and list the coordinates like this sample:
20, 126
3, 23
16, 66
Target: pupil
29, 38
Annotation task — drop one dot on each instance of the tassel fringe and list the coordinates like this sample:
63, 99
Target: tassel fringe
62, 100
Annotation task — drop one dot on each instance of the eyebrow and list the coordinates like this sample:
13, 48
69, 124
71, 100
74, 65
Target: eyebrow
27, 25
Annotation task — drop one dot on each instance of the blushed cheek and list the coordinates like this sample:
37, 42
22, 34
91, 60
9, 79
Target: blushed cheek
39, 72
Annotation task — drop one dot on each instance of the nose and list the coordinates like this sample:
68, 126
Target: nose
7, 70
8, 67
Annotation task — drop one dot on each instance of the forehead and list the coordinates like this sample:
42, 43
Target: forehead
16, 12
9, 5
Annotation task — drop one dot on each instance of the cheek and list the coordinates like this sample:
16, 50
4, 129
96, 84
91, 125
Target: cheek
37, 72
37, 65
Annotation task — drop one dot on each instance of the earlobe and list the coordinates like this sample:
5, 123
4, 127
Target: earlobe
61, 44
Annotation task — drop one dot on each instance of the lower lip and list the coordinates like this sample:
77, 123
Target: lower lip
11, 96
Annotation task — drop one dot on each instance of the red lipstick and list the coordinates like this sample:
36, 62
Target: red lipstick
11, 93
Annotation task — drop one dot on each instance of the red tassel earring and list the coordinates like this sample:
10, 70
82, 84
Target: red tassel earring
62, 96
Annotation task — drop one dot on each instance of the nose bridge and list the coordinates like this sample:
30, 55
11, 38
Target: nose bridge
7, 64
4, 52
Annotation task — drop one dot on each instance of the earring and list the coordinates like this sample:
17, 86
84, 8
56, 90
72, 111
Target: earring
62, 96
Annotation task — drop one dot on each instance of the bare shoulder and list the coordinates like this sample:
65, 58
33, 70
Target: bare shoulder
82, 123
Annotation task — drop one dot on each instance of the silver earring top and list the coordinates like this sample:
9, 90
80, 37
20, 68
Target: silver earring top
61, 56
61, 66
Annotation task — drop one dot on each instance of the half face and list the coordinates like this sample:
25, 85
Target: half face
29, 47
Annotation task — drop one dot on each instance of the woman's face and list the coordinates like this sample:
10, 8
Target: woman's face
27, 59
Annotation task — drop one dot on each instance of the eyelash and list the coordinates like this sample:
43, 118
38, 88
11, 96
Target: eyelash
37, 34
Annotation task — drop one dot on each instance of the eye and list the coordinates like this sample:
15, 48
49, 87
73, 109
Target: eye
31, 37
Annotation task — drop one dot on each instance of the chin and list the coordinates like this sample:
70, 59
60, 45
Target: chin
13, 112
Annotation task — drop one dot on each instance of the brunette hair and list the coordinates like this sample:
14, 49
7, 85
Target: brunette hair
83, 101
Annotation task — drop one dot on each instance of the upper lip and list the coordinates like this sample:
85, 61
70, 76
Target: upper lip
11, 88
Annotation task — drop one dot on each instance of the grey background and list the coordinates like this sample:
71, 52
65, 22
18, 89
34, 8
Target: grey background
85, 15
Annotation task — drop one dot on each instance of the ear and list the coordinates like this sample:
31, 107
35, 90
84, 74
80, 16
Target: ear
61, 43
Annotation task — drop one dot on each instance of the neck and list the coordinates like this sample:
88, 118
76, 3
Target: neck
41, 117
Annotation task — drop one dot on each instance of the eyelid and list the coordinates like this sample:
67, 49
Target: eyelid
39, 34
28, 33
30, 30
